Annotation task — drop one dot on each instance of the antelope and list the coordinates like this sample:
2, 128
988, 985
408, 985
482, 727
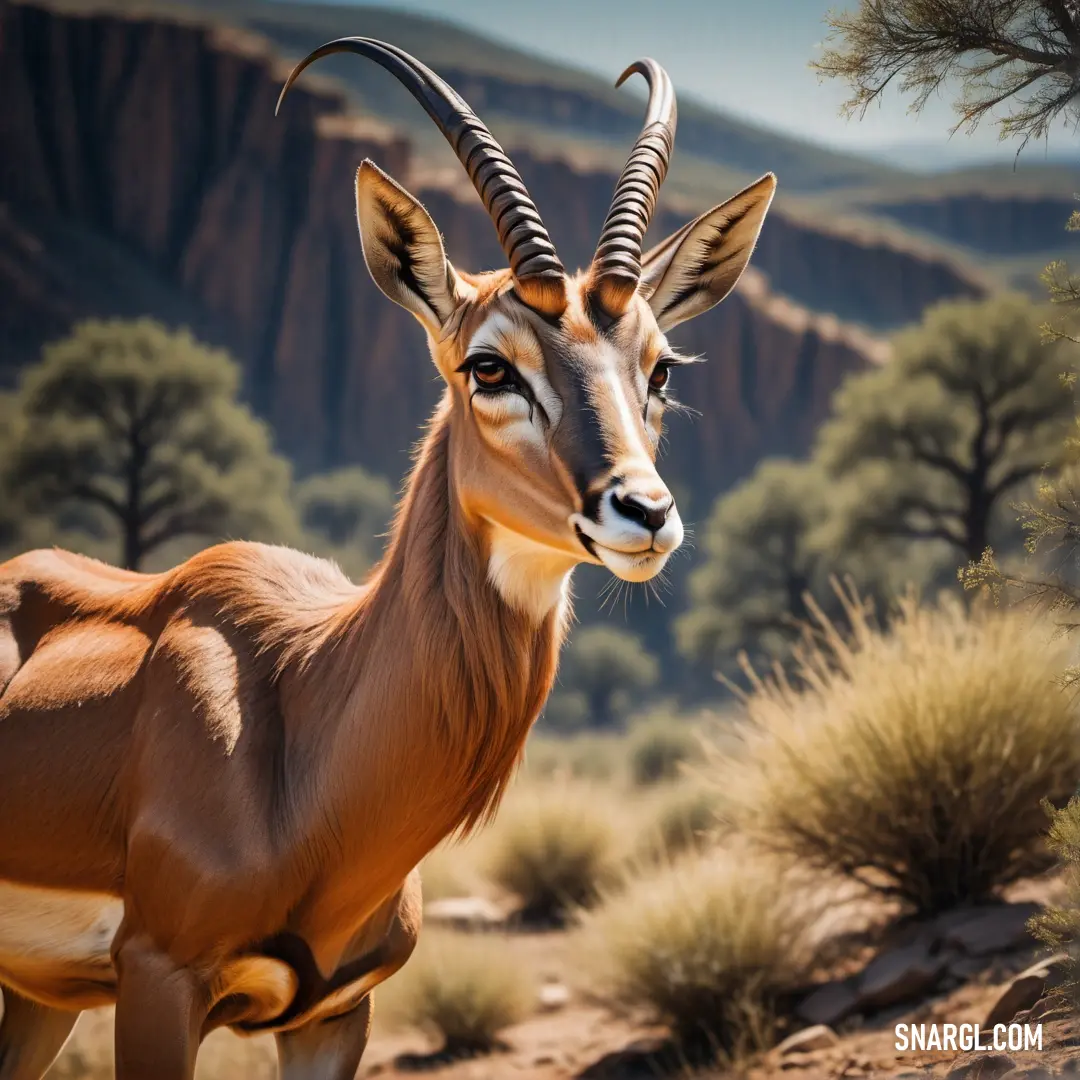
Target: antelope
216, 782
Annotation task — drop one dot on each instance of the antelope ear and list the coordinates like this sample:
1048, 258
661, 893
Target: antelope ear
696, 267
403, 249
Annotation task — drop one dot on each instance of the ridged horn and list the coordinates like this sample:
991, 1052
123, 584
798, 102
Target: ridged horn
538, 274
616, 266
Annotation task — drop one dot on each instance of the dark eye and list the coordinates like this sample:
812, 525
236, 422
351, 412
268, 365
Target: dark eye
659, 377
491, 371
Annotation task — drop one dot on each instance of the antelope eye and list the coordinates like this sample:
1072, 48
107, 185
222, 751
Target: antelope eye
490, 371
659, 377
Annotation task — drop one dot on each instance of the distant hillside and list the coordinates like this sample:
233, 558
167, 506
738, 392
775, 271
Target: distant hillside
520, 95
142, 169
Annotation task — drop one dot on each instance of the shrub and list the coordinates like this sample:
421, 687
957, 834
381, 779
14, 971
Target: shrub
462, 990
912, 762
714, 948
602, 663
659, 748
554, 850
1059, 927
686, 821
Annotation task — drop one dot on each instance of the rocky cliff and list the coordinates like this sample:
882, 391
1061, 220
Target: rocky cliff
1012, 225
142, 169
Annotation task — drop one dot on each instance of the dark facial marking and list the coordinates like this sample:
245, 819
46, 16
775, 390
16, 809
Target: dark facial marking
579, 438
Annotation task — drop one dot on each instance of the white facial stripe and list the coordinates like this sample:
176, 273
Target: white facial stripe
626, 418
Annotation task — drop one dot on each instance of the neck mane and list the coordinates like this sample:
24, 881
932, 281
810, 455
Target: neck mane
436, 679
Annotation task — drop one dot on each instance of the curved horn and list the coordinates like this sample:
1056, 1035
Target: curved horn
538, 274
616, 267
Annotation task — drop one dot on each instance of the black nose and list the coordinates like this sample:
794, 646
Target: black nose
648, 512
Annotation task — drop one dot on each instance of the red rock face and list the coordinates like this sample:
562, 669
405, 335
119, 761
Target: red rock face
142, 169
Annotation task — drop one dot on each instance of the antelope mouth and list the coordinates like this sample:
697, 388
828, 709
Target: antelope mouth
587, 542
640, 565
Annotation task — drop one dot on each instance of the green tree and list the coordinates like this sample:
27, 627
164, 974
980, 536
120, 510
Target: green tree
603, 662
140, 427
345, 511
760, 563
1023, 53
933, 445
1063, 286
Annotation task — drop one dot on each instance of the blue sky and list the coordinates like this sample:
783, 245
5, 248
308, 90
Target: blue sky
748, 57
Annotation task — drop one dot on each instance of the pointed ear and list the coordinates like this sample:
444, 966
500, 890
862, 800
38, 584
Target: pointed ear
696, 267
403, 249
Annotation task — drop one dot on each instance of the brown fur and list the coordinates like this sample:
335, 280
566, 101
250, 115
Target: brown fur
273, 679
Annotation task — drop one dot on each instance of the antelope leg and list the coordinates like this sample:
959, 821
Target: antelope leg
160, 1009
31, 1036
326, 1049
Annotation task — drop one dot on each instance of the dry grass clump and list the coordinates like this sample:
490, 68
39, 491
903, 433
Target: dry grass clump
659, 748
460, 989
713, 947
686, 820
554, 848
913, 762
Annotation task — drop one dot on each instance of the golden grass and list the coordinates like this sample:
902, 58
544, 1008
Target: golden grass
913, 762
710, 946
554, 847
461, 989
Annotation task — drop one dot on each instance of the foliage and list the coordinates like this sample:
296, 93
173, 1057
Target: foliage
931, 446
1063, 287
759, 563
915, 762
660, 747
1052, 524
996, 50
711, 947
137, 428
1059, 928
461, 989
554, 850
602, 661
345, 511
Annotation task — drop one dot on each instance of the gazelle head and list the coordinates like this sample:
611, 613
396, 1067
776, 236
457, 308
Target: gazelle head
557, 382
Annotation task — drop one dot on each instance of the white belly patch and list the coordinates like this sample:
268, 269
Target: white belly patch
50, 930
